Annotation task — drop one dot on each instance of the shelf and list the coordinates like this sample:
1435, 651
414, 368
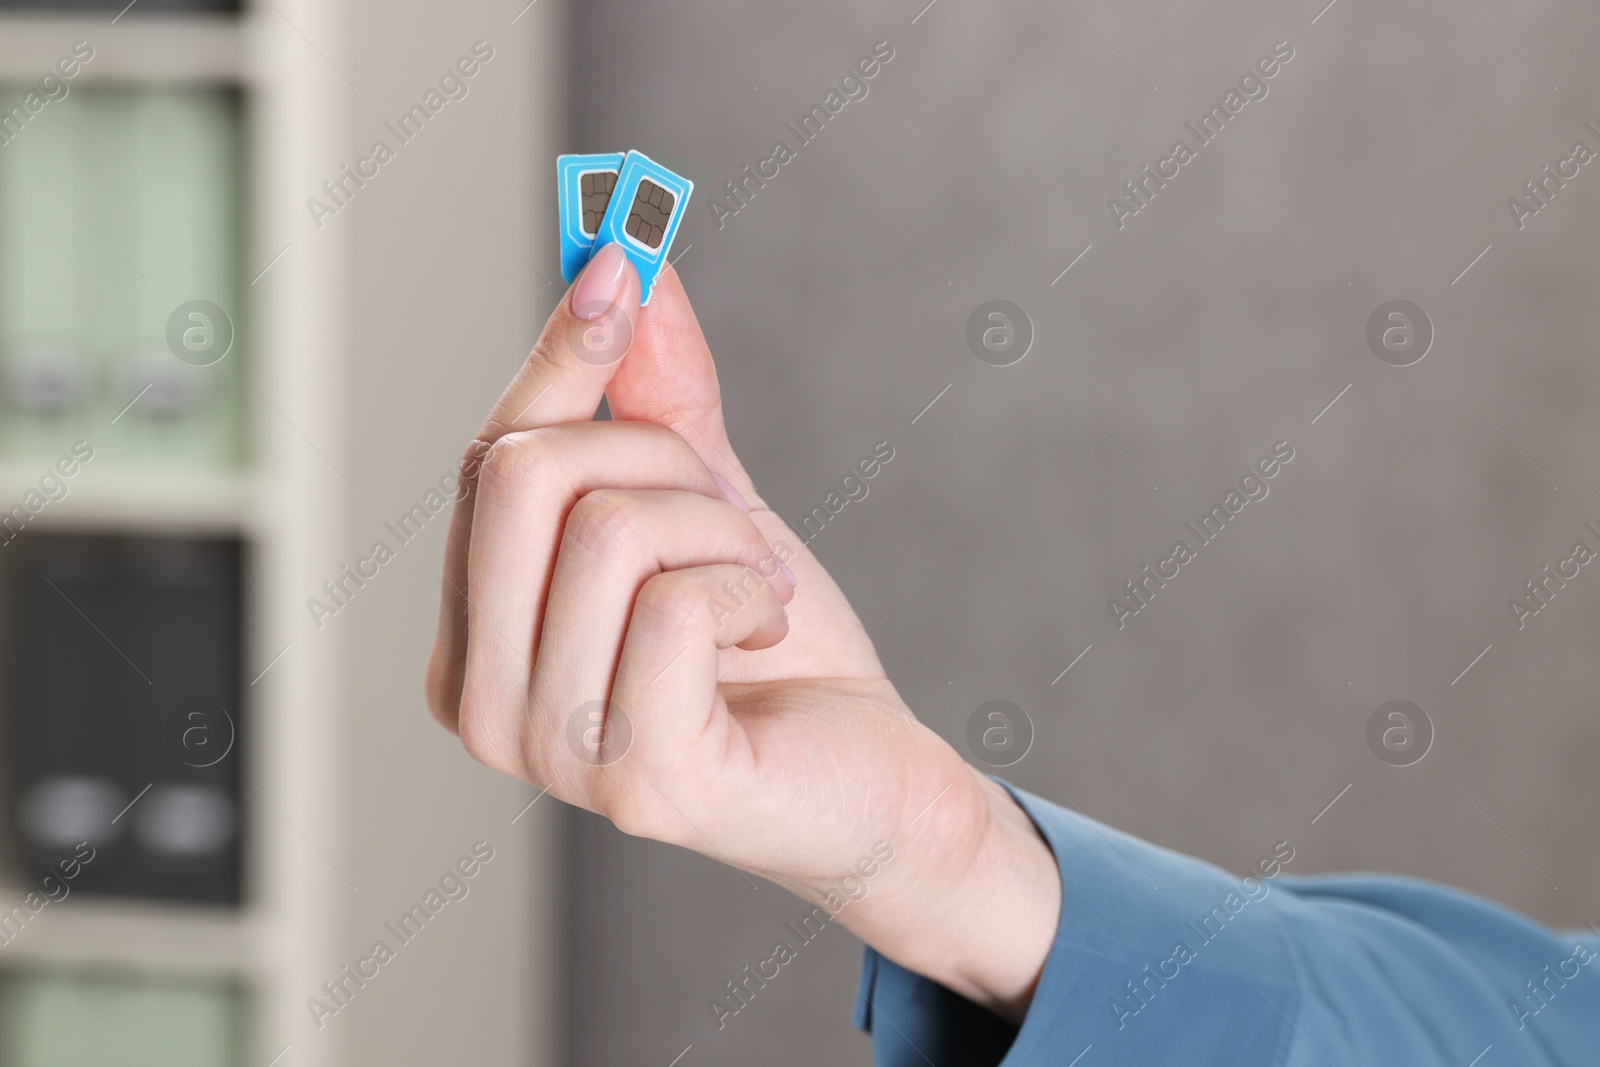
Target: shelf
135, 500
157, 49
323, 740
80, 932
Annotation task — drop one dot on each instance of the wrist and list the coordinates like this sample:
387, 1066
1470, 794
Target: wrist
1003, 919
974, 898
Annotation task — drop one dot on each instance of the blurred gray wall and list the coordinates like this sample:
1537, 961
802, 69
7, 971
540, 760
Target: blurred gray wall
1219, 320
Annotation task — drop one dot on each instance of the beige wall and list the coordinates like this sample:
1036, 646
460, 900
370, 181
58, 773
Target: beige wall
444, 308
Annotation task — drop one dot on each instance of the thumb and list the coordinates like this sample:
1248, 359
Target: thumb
670, 379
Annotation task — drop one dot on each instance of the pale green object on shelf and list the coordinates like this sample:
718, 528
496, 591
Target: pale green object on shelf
116, 207
45, 1021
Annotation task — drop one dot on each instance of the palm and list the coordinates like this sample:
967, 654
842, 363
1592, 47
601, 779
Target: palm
808, 735
811, 724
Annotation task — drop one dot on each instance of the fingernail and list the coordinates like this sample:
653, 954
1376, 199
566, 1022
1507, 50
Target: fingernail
789, 574
730, 494
600, 284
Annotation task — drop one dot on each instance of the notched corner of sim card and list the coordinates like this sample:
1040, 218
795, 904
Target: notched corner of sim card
644, 214
584, 184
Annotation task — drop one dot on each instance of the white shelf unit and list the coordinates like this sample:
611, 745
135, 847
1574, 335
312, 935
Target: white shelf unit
332, 814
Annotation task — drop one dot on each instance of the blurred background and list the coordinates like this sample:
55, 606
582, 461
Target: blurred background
240, 347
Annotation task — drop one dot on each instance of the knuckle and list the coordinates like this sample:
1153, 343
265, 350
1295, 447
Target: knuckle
634, 807
632, 819
514, 464
552, 350
482, 733
472, 461
671, 605
605, 522
760, 557
541, 762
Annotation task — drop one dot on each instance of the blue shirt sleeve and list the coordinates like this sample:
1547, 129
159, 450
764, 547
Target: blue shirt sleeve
1160, 958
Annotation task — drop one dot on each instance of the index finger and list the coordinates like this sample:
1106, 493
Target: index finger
562, 380
582, 344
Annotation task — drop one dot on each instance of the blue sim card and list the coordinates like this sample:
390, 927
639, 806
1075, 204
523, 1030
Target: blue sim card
584, 185
643, 216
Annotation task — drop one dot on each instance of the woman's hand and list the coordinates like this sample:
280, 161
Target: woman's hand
625, 623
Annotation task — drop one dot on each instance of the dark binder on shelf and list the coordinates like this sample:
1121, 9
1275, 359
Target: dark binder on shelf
121, 705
